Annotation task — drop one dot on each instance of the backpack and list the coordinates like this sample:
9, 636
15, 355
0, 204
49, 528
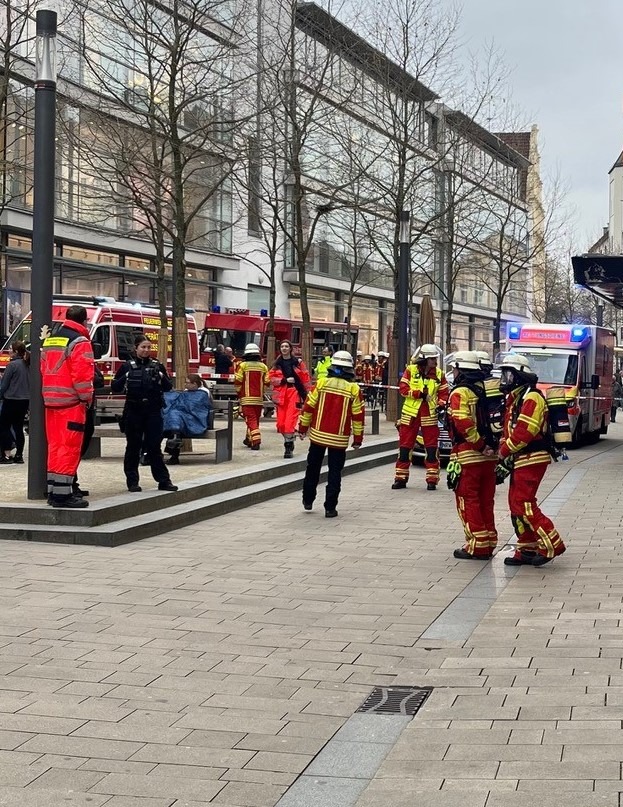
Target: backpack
547, 442
483, 415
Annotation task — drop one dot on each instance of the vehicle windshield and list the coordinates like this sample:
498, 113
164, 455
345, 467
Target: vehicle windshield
555, 368
236, 340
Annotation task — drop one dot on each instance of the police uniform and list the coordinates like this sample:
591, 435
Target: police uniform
143, 381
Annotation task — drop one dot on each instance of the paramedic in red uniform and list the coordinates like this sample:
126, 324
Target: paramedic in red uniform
333, 411
67, 371
525, 448
250, 380
425, 390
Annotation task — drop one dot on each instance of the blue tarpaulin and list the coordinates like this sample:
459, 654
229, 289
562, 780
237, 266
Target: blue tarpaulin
187, 413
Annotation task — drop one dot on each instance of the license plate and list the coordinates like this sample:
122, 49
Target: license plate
445, 444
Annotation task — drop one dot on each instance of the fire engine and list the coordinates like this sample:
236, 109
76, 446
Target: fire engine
113, 327
236, 328
579, 358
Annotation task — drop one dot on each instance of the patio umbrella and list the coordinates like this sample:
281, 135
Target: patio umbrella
426, 328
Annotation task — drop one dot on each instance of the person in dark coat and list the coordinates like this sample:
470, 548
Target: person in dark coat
222, 363
144, 380
15, 394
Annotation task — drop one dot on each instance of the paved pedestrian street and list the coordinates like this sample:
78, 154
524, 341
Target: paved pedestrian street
213, 664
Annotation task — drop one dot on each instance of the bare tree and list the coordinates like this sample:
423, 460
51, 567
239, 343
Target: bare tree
169, 78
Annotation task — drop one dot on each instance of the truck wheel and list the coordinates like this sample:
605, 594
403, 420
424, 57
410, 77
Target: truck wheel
578, 437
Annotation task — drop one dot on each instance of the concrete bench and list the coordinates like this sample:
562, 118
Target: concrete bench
224, 437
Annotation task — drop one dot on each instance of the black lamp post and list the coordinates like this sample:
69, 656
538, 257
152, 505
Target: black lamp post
42, 240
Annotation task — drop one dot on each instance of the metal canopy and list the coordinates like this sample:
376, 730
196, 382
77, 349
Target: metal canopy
600, 274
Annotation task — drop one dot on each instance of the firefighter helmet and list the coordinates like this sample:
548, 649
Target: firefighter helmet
515, 361
366, 357
425, 352
251, 350
466, 360
516, 372
342, 358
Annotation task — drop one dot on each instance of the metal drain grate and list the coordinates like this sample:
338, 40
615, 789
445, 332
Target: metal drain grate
395, 700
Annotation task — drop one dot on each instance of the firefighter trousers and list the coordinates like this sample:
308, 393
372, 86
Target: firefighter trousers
535, 531
252, 415
407, 435
475, 496
64, 430
336, 460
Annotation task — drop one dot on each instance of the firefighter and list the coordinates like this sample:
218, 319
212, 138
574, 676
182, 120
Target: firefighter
251, 380
359, 368
425, 390
525, 449
474, 449
332, 412
323, 363
144, 380
67, 371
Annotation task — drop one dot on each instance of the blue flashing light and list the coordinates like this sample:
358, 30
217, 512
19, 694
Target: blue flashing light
578, 334
216, 309
263, 312
514, 331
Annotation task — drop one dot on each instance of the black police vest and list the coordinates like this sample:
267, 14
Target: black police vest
143, 380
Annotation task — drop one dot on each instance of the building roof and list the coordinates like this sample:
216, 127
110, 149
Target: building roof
324, 27
519, 141
618, 163
495, 143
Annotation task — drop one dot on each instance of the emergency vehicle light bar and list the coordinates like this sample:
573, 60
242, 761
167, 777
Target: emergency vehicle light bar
578, 334
514, 331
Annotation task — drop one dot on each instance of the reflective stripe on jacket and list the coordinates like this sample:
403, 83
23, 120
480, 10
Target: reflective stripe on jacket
412, 386
250, 380
332, 411
67, 367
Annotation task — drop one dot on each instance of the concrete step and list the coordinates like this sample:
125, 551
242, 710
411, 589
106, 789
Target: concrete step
125, 505
120, 522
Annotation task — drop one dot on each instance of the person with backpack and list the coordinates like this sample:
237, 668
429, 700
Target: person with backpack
472, 464
526, 449
144, 380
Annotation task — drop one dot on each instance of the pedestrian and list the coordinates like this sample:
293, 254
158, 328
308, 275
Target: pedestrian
15, 394
290, 380
617, 397
333, 411
471, 470
144, 380
67, 372
222, 362
425, 390
251, 380
189, 414
324, 362
525, 451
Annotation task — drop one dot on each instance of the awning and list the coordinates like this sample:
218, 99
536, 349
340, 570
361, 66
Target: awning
600, 274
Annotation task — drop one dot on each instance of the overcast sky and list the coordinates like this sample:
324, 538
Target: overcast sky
566, 58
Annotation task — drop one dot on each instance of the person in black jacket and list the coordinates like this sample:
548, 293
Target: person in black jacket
143, 380
15, 394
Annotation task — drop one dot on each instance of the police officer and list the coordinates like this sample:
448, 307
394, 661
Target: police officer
143, 380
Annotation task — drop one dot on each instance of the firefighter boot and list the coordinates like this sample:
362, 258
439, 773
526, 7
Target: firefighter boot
431, 486
399, 484
288, 450
520, 558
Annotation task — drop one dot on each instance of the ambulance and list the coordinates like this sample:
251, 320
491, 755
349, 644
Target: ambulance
578, 358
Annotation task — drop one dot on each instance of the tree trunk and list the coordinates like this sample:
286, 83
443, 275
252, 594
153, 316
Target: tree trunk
448, 327
497, 327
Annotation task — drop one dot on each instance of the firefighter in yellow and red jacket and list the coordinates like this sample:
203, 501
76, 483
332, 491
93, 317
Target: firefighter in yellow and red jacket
251, 379
67, 372
474, 450
333, 410
525, 451
425, 390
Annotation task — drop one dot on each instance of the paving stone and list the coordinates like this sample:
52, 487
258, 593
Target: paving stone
328, 792
117, 784
80, 746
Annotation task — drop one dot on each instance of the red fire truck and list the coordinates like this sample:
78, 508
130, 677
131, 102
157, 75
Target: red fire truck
579, 358
236, 328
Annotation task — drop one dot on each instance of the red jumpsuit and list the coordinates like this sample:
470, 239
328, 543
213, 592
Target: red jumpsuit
475, 492
250, 380
525, 425
287, 398
67, 372
422, 394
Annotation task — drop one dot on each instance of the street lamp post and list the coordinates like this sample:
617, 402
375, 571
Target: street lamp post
42, 239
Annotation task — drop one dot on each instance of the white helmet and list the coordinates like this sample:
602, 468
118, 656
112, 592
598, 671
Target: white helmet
251, 350
515, 361
366, 357
484, 357
359, 352
426, 352
381, 354
342, 358
466, 360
